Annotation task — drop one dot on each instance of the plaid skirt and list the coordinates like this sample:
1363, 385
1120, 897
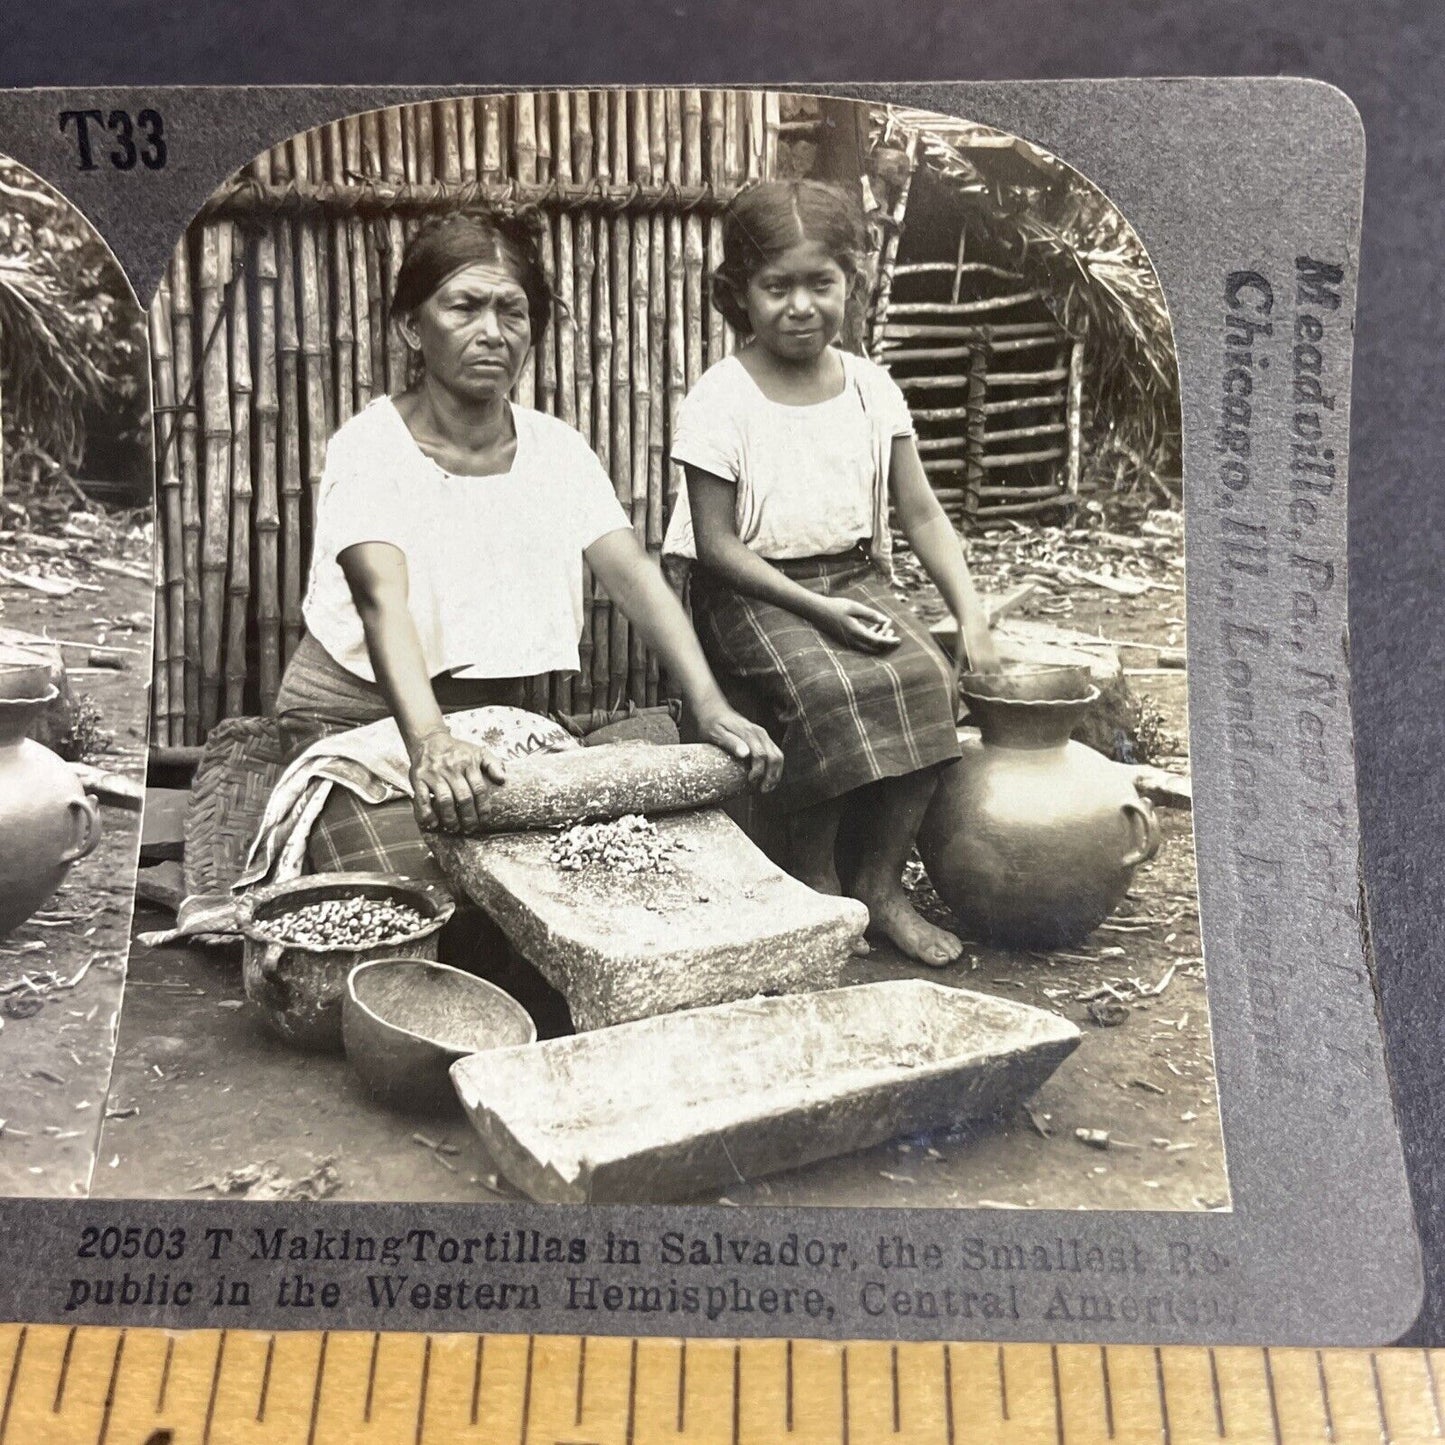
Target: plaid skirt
319, 697
842, 717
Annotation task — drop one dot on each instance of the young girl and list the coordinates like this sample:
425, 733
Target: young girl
792, 451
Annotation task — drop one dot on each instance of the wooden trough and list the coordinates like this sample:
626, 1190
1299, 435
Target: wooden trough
671, 1107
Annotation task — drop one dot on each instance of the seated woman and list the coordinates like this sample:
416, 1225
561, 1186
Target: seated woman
446, 569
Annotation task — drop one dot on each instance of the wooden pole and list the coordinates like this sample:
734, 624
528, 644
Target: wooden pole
214, 275
168, 721
695, 311
721, 178
622, 357
579, 111
171, 640
288, 416
393, 160
311, 323
182, 321
363, 379
268, 513
524, 169
602, 352
1074, 419
238, 576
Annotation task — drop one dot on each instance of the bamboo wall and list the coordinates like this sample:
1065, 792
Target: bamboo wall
271, 327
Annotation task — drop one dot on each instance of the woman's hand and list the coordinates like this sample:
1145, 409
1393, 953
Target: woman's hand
449, 777
855, 624
978, 643
717, 723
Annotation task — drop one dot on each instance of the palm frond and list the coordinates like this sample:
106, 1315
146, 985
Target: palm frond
46, 375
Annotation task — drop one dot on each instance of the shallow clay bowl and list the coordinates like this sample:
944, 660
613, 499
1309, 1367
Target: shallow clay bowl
1028, 682
406, 1021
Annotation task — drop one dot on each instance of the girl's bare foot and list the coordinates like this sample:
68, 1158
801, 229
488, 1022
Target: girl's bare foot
892, 915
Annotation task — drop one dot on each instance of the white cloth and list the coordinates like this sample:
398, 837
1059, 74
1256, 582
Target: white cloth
372, 763
811, 480
494, 564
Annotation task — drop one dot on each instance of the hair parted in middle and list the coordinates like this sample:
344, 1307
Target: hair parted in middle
764, 220
509, 236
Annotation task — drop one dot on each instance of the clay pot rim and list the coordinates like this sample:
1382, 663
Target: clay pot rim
424, 895
1091, 696
48, 696
487, 986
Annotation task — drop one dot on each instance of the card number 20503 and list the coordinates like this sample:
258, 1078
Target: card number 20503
125, 140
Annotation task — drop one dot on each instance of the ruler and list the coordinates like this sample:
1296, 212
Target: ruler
91, 1386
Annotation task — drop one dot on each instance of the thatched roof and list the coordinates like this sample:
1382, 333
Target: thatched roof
47, 326
1063, 233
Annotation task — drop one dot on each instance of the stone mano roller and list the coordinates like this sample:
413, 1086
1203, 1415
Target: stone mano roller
553, 790
722, 923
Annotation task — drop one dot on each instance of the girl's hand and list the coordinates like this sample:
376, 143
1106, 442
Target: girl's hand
978, 643
448, 779
855, 624
717, 723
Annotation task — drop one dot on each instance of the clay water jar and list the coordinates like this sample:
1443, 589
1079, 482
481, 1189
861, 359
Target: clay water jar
406, 1021
1030, 838
46, 821
299, 987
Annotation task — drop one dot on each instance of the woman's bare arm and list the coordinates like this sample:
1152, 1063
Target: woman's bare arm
637, 586
448, 775
936, 544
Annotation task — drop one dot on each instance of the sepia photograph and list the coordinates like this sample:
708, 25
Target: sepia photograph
76, 581
669, 674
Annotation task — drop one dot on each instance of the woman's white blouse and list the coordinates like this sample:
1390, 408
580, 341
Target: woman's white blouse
494, 564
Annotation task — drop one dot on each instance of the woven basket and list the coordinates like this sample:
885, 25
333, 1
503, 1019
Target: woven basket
242, 760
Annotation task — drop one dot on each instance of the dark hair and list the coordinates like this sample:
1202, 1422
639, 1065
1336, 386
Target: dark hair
443, 246
764, 220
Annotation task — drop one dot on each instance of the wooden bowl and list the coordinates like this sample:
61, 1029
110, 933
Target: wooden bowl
406, 1021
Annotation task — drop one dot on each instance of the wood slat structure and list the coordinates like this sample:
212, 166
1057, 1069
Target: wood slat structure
272, 327
994, 382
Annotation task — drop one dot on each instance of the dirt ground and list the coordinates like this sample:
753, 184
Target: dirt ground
56, 1042
201, 1089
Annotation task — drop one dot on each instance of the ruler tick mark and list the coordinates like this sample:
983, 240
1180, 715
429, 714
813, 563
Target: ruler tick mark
1273, 1399
1002, 1384
581, 1380
737, 1393
215, 1387
948, 1392
1434, 1391
477, 1379
316, 1389
109, 1406
1325, 1397
421, 1399
527, 1389
265, 1379
371, 1377
897, 1413
64, 1371
1164, 1429
1218, 1395
788, 1383
1058, 1395
1385, 1435
165, 1384
1108, 1389
10, 1387
682, 1387
631, 1392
